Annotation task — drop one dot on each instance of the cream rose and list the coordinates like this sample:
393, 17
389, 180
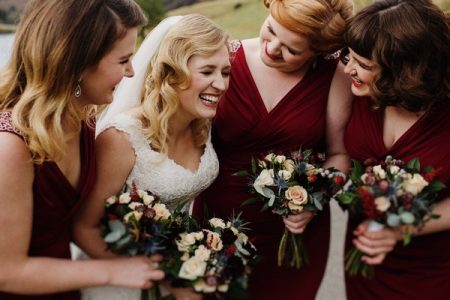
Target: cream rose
202, 253
379, 172
270, 157
185, 241
280, 159
192, 268
382, 203
289, 165
297, 197
161, 211
201, 286
394, 169
217, 222
124, 198
135, 205
414, 184
213, 241
285, 174
137, 215
265, 178
111, 200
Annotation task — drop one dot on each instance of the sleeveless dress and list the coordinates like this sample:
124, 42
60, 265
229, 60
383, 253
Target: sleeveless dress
420, 270
55, 202
242, 129
152, 171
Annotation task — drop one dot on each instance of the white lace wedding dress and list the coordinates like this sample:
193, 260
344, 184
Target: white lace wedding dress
162, 176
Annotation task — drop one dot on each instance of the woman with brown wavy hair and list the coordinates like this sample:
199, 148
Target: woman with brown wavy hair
68, 56
399, 62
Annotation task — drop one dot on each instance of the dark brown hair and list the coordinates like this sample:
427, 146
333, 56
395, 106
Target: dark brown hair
410, 41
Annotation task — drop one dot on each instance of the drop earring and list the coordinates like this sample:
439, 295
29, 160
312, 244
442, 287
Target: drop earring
78, 90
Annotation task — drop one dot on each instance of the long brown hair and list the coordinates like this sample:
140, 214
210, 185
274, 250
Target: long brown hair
55, 42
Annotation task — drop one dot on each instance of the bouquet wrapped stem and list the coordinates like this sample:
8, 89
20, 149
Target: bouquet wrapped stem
353, 263
151, 293
291, 252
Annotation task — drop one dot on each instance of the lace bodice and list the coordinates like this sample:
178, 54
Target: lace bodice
161, 175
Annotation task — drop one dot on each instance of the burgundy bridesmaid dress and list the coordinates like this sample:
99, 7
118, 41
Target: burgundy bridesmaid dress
55, 203
242, 129
420, 270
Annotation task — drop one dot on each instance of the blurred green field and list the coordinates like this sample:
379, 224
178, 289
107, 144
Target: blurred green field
243, 18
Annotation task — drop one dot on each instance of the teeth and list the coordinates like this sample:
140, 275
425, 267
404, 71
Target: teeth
209, 98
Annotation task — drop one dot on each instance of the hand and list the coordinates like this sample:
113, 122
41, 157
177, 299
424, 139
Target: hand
181, 293
296, 223
136, 272
376, 244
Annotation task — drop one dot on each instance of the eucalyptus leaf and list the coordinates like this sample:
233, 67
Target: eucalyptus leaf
116, 225
414, 165
407, 217
113, 237
393, 220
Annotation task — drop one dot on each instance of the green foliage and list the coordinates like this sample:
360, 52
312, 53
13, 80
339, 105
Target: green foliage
155, 12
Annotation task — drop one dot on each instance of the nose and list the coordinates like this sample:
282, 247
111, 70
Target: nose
273, 47
129, 71
350, 68
220, 83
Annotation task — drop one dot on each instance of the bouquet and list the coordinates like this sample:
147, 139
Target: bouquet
390, 194
289, 185
136, 223
213, 260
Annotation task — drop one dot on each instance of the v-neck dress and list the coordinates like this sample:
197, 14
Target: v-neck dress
242, 129
55, 202
161, 175
420, 270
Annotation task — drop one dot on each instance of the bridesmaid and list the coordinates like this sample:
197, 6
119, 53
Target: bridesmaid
68, 55
399, 62
278, 101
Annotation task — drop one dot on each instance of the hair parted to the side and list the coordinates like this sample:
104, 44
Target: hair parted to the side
193, 35
55, 42
410, 41
323, 22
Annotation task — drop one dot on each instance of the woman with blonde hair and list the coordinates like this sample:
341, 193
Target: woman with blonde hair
156, 134
68, 55
287, 91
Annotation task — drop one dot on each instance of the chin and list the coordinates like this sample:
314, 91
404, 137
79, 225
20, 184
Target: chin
359, 92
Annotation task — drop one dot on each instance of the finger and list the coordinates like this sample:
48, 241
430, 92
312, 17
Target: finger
296, 230
371, 250
381, 242
374, 260
156, 257
157, 275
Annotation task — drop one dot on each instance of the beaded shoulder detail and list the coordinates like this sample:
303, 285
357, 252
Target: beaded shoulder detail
234, 46
6, 123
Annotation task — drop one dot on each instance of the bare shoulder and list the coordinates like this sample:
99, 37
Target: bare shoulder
13, 151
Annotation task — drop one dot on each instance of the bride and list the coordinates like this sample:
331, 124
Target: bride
156, 133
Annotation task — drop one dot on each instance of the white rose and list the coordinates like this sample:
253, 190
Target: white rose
265, 178
148, 199
185, 256
270, 157
192, 268
394, 169
217, 222
280, 159
135, 205
137, 215
286, 175
414, 184
124, 198
111, 200
161, 211
382, 203
243, 237
198, 235
213, 241
186, 240
201, 286
223, 288
202, 253
379, 172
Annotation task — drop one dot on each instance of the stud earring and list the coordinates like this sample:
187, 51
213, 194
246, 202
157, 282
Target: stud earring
78, 90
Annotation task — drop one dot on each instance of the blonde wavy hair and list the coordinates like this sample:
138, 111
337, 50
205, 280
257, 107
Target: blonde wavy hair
193, 35
323, 22
55, 42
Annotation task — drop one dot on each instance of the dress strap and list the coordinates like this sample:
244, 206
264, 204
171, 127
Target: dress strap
7, 124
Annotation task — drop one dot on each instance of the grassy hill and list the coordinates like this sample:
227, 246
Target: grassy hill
243, 18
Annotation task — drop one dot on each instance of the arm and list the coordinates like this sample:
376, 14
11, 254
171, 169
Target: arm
18, 270
115, 160
338, 112
378, 244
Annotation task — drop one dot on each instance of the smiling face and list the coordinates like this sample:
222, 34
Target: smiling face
283, 49
363, 72
209, 81
99, 82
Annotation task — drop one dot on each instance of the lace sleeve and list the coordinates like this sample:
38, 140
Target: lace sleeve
234, 46
6, 124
